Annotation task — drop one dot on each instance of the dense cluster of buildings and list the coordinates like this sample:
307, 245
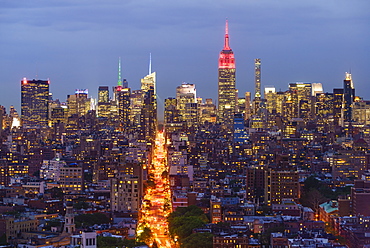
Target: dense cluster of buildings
244, 161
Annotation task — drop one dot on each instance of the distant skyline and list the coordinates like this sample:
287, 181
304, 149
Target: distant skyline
76, 44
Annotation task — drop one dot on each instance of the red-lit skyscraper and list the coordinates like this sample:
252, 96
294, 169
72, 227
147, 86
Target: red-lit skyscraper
227, 94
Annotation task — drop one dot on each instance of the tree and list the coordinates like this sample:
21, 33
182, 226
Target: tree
184, 220
145, 236
183, 226
196, 240
81, 205
52, 223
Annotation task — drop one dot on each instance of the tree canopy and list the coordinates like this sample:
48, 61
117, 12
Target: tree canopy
183, 221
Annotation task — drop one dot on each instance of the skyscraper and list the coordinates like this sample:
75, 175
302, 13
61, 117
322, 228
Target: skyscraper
103, 101
185, 94
34, 102
257, 78
148, 118
348, 96
226, 83
123, 97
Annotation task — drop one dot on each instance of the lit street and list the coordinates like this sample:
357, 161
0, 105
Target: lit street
157, 199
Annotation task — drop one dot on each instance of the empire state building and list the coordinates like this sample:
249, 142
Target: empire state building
227, 93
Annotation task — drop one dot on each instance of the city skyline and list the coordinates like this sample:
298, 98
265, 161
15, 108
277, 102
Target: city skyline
313, 42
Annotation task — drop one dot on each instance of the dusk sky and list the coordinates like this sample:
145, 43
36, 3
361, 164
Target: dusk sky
77, 43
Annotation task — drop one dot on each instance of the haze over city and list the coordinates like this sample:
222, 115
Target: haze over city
77, 44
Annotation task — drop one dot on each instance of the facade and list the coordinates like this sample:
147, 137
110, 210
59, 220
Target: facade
126, 192
227, 94
281, 182
124, 108
71, 179
35, 102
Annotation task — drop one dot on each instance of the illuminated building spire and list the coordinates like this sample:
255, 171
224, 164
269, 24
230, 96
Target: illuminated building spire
150, 63
226, 46
119, 83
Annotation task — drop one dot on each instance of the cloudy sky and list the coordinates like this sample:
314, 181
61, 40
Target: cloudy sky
76, 43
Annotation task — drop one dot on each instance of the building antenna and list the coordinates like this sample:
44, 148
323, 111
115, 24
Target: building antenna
119, 83
150, 63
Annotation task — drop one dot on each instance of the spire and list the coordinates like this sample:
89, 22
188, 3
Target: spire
119, 83
150, 63
226, 46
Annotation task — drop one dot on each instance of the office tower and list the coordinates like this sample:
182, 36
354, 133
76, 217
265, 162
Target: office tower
270, 96
171, 114
226, 83
103, 102
123, 98
34, 102
361, 112
136, 105
185, 93
149, 82
103, 94
191, 114
241, 106
317, 88
240, 134
337, 107
257, 78
348, 97
248, 113
324, 109
149, 110
79, 103
207, 112
301, 100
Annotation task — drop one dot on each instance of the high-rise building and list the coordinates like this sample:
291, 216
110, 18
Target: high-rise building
337, 106
324, 109
35, 102
257, 78
79, 103
185, 93
240, 134
123, 97
136, 105
226, 83
148, 116
207, 112
248, 111
103, 94
270, 96
171, 114
348, 97
103, 101
302, 100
